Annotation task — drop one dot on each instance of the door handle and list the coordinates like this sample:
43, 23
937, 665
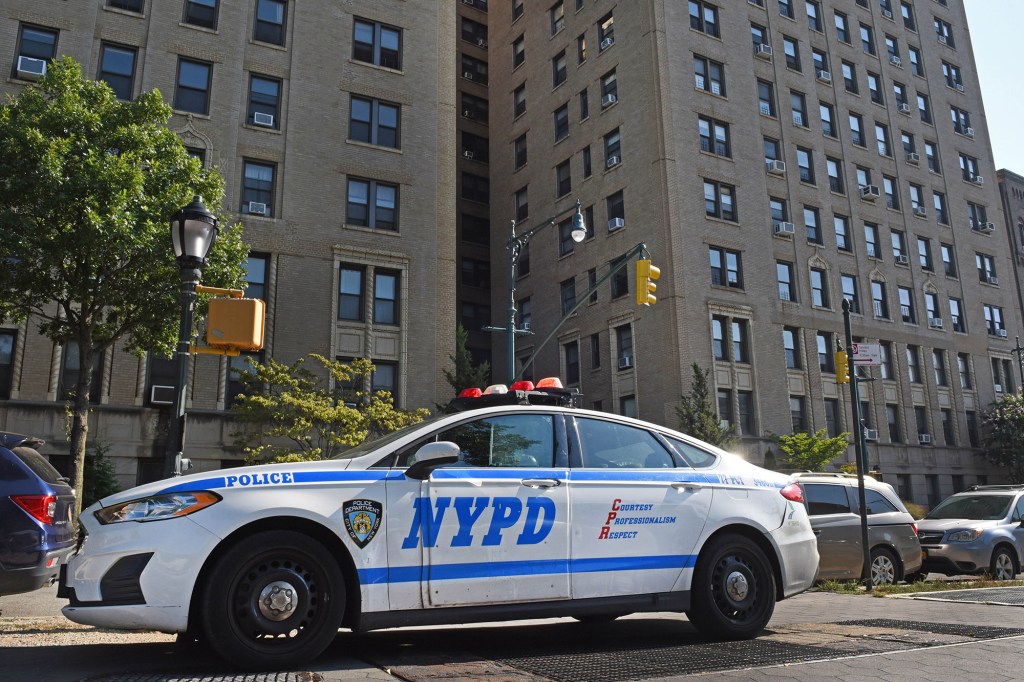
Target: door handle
692, 486
541, 482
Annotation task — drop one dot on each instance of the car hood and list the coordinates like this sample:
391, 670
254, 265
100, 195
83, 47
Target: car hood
217, 479
947, 524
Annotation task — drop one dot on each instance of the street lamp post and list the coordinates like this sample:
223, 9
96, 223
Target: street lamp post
193, 231
516, 244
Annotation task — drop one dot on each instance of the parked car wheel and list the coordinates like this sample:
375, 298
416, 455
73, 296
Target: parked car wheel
1003, 566
274, 599
733, 592
884, 567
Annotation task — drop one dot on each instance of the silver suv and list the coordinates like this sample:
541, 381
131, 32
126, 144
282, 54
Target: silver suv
980, 530
832, 504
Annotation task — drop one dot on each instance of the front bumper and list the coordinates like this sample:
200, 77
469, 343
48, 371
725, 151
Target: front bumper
136, 576
968, 558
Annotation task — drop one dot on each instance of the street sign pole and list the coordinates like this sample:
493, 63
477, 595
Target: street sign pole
859, 449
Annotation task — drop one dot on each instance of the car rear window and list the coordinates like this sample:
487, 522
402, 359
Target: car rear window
877, 504
38, 464
826, 499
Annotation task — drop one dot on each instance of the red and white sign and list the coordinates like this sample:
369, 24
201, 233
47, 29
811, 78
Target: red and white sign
869, 354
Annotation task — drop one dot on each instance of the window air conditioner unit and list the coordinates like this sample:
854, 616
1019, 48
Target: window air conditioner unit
870, 434
998, 387
984, 228
607, 42
913, 157
896, 61
612, 161
824, 76
467, 2
609, 100
481, 42
785, 295
935, 322
1001, 333
920, 211
468, 155
257, 208
978, 180
468, 75
625, 362
869, 192
30, 68
262, 119
784, 229
902, 260
969, 131
161, 395
467, 114
616, 223
903, 108
992, 279
924, 438
887, 13
776, 167
763, 50
960, 87
943, 40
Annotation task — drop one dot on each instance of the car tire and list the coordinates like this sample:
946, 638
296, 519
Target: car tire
1003, 565
273, 600
885, 567
733, 591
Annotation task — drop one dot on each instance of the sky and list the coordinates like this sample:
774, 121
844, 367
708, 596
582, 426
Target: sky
995, 36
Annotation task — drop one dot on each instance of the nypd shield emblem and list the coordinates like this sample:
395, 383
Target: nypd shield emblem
362, 519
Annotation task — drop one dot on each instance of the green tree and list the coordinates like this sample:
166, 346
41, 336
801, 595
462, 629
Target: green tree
465, 374
288, 413
811, 451
87, 188
698, 416
100, 476
1004, 436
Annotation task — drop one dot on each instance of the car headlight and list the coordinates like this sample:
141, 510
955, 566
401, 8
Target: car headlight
964, 535
157, 507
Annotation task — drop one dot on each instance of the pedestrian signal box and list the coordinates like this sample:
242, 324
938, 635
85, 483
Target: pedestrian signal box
236, 323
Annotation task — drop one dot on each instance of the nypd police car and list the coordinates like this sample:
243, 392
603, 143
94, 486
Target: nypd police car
522, 508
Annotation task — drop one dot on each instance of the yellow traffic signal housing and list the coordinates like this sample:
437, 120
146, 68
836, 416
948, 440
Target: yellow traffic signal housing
842, 367
236, 323
646, 276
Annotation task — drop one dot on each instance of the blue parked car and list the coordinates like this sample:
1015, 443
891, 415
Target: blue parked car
37, 533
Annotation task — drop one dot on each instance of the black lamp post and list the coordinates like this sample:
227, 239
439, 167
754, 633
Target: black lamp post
193, 231
516, 244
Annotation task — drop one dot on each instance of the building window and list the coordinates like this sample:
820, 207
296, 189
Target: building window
127, 5
908, 310
566, 244
385, 297
568, 295
606, 32
953, 76
914, 364
850, 77
193, 91
374, 122
886, 368
879, 300
784, 275
561, 118
380, 44
819, 288
871, 240
7, 345
476, 108
939, 364
827, 114
994, 320
256, 276
882, 139
857, 130
924, 254
718, 342
558, 70
798, 105
612, 149
595, 351
519, 101
714, 136
956, 315
766, 98
931, 152
201, 13
709, 75
616, 208
719, 200
826, 359
949, 436
581, 48
811, 214
476, 188
571, 353
620, 281
383, 197
867, 39
350, 294
609, 89
892, 417
814, 15
258, 188
624, 343
840, 224
973, 432
71, 368
740, 341
264, 101
791, 344
798, 413
117, 68
916, 63
791, 47
726, 267
944, 31
924, 107
270, 17
910, 24
832, 418
842, 28
986, 265
941, 214
963, 366
835, 175
889, 188
563, 179
584, 105
384, 377
805, 162
969, 167
518, 51
704, 17
521, 202
557, 15
850, 292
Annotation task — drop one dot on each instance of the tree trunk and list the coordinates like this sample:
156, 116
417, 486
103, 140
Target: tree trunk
80, 421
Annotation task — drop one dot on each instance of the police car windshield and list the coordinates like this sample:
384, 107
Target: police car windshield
372, 443
973, 507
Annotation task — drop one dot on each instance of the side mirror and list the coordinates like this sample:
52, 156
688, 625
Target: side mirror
430, 456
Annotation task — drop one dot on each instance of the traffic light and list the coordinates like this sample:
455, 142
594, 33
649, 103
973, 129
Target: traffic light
646, 276
236, 323
842, 367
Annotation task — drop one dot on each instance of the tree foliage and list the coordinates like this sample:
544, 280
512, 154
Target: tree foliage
289, 413
465, 374
1004, 435
88, 184
811, 451
697, 414
100, 476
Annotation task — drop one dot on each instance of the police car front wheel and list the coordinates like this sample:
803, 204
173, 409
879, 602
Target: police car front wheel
733, 590
274, 599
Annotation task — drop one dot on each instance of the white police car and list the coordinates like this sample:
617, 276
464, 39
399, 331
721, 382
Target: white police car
509, 511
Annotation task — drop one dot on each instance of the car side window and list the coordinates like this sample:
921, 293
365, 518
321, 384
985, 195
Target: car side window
877, 504
607, 445
514, 440
692, 455
1019, 514
823, 498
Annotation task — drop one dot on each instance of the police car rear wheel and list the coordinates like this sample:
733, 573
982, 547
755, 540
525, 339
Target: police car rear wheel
733, 591
274, 599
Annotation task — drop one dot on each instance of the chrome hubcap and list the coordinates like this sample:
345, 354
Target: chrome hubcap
277, 600
883, 572
736, 586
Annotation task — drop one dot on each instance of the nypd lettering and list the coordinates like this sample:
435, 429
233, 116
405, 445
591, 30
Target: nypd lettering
266, 478
538, 517
362, 520
615, 519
